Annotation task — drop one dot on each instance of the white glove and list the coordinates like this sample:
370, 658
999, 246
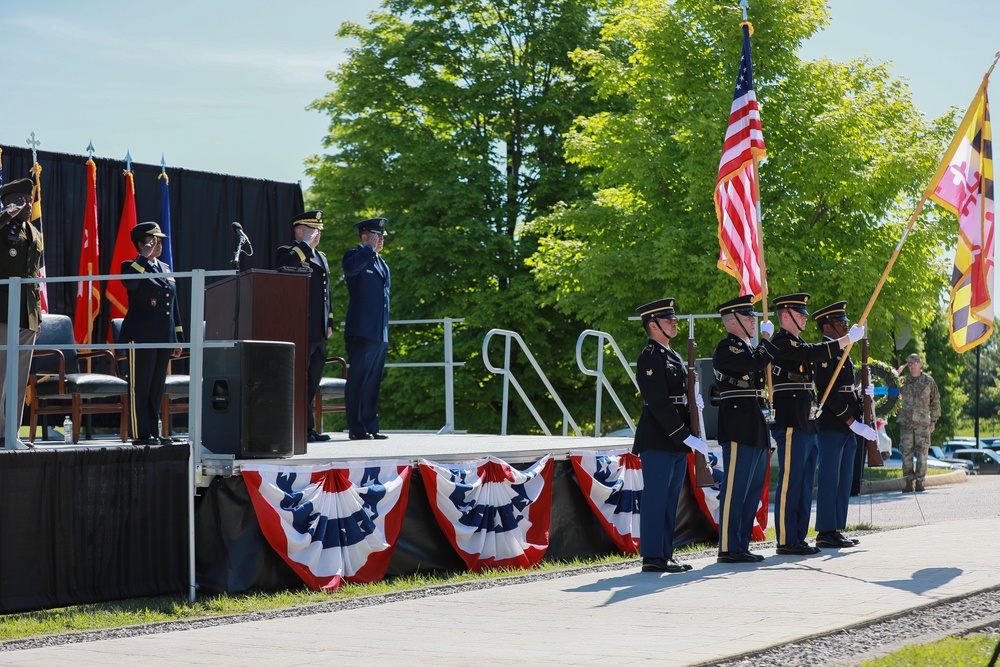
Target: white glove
870, 390
856, 333
865, 431
766, 328
699, 401
696, 444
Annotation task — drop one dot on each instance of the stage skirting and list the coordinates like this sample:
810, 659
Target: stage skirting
82, 525
96, 524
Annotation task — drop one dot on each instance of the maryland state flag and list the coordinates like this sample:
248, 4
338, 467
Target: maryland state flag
963, 184
124, 250
36, 220
88, 293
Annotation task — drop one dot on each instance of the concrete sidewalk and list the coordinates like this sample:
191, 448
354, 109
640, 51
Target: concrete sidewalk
598, 618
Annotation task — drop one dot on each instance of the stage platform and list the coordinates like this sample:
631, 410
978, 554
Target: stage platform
445, 448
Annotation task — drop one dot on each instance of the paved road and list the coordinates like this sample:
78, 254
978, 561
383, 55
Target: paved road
943, 544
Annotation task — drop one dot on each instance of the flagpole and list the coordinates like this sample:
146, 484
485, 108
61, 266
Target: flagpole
745, 5
909, 227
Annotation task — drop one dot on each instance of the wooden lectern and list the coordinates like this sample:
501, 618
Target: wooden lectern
265, 305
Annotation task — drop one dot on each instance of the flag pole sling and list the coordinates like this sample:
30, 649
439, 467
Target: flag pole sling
913, 219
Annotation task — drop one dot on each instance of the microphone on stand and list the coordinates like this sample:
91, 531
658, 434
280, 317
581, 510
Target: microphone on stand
243, 239
238, 230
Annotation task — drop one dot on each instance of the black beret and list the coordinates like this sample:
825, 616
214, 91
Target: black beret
21, 186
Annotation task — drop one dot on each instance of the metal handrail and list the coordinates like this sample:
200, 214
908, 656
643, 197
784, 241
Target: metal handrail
603, 339
509, 379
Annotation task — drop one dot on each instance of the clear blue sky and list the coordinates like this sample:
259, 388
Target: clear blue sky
223, 85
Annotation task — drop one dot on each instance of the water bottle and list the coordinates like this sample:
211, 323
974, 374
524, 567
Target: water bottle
68, 430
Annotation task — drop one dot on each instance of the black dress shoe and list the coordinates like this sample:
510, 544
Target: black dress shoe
831, 540
165, 441
756, 557
315, 436
363, 436
663, 565
852, 540
146, 442
379, 436
736, 557
801, 549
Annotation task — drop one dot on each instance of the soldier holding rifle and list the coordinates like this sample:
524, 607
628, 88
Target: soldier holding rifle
795, 412
663, 436
739, 384
839, 423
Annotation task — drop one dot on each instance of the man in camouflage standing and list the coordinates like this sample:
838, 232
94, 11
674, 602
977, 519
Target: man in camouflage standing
920, 408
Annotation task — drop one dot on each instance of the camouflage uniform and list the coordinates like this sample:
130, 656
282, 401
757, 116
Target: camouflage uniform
920, 408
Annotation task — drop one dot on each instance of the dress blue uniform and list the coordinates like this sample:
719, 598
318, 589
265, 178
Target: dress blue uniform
659, 442
152, 317
795, 429
742, 433
320, 321
366, 332
838, 444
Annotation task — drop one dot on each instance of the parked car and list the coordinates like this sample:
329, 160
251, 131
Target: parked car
896, 461
991, 442
986, 460
940, 455
955, 444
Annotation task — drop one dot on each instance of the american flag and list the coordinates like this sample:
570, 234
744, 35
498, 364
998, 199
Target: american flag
736, 193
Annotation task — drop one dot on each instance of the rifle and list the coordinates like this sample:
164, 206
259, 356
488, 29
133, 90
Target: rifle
874, 456
703, 471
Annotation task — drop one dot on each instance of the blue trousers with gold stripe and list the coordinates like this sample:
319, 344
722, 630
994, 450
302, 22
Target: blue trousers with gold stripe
836, 473
739, 495
662, 477
797, 452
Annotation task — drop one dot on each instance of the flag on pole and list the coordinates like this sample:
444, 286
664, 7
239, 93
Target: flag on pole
736, 192
88, 292
36, 220
963, 185
124, 250
167, 255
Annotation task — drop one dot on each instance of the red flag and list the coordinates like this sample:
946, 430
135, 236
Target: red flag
736, 193
124, 250
88, 293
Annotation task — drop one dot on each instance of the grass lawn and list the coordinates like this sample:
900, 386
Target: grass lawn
973, 651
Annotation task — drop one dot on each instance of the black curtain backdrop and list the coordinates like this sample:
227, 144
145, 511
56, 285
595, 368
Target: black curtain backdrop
92, 525
203, 207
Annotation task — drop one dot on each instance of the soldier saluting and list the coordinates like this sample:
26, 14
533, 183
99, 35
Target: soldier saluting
795, 411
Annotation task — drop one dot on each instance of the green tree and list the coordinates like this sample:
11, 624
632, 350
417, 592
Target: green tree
848, 156
989, 384
448, 119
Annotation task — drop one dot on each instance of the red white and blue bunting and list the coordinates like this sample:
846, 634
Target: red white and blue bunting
708, 497
331, 523
611, 482
495, 516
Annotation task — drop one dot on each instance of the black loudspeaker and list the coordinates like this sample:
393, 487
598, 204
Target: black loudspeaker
706, 375
248, 399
